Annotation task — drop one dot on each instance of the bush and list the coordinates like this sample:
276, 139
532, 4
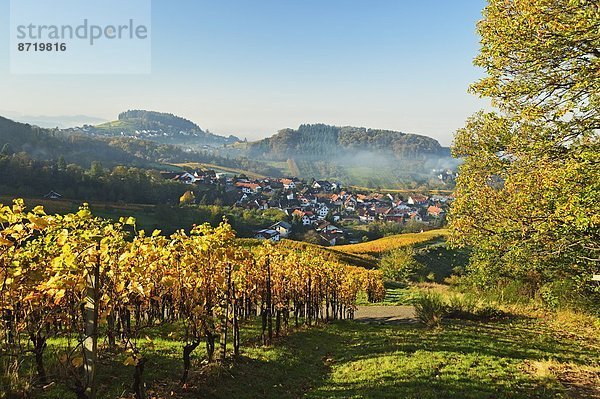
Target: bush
400, 265
459, 306
430, 308
467, 307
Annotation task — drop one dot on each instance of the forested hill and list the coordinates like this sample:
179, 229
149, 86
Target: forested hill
159, 127
322, 141
51, 144
81, 149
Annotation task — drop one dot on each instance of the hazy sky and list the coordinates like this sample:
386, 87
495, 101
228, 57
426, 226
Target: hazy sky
251, 67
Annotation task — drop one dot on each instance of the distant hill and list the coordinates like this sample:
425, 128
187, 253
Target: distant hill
355, 156
50, 144
159, 127
54, 121
319, 141
82, 149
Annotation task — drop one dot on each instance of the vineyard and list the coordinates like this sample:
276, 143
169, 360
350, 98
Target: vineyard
376, 247
98, 289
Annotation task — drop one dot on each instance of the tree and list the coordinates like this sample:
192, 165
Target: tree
187, 198
61, 164
96, 169
6, 150
528, 195
400, 265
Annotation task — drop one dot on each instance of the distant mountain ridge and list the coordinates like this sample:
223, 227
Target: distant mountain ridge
160, 127
321, 141
54, 121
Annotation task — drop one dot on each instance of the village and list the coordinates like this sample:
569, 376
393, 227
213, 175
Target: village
323, 209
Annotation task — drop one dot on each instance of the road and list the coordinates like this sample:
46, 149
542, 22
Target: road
385, 314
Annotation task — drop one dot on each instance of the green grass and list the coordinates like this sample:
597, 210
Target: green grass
353, 360
349, 359
396, 294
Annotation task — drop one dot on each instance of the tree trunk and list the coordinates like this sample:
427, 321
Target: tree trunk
236, 324
210, 345
269, 301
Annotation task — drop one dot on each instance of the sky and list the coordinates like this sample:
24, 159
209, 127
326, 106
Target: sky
252, 67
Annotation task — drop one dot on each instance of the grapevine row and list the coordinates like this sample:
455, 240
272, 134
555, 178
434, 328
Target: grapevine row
81, 277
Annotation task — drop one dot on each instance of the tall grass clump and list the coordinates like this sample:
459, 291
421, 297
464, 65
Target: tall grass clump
430, 308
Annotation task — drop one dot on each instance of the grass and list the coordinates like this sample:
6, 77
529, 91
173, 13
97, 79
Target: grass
396, 294
517, 357
353, 360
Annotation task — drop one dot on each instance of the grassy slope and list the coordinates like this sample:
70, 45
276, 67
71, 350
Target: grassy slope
352, 360
346, 359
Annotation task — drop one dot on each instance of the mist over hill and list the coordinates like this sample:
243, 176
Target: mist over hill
356, 155
316, 141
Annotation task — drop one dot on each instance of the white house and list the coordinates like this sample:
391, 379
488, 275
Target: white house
268, 234
323, 211
283, 228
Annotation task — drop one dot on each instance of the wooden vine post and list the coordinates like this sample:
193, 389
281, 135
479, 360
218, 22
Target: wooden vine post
90, 344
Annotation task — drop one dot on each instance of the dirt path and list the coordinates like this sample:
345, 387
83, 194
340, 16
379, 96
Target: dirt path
385, 314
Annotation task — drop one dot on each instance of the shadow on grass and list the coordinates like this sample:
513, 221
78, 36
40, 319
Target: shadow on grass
355, 360
347, 359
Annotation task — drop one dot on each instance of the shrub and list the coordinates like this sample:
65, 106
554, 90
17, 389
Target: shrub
430, 308
460, 306
467, 307
400, 265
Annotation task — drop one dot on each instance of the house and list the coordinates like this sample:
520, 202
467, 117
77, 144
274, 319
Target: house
288, 184
322, 185
262, 204
440, 198
435, 211
332, 238
284, 229
416, 217
320, 226
247, 187
417, 199
366, 215
302, 216
185, 177
268, 234
350, 204
53, 195
322, 211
